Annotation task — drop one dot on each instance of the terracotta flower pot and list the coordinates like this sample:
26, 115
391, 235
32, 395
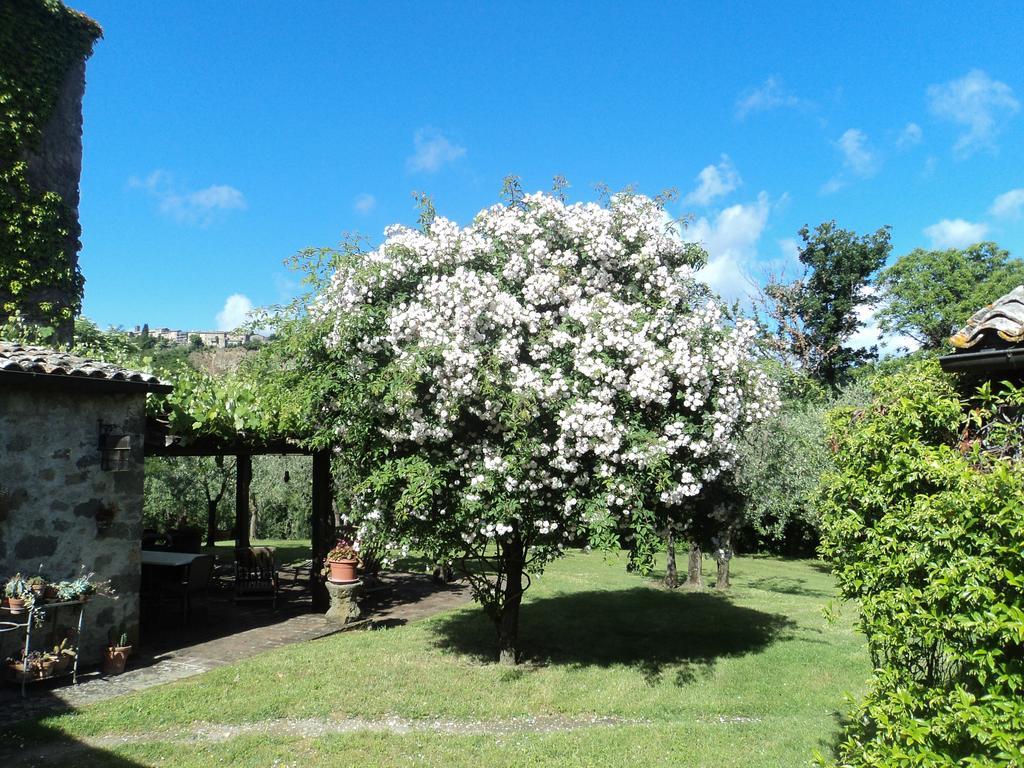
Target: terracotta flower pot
343, 571
17, 670
16, 605
61, 665
115, 658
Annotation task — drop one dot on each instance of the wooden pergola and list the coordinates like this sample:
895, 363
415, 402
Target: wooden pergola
160, 443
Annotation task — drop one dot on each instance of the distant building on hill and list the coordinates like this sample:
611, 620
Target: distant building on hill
217, 339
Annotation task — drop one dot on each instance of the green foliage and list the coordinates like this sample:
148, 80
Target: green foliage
40, 40
780, 466
929, 295
810, 320
923, 523
175, 490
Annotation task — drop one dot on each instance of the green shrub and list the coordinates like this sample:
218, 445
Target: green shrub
923, 523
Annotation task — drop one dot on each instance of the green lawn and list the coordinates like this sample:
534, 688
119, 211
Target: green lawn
754, 678
287, 551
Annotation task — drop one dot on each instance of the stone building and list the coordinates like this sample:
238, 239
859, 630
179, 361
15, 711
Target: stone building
72, 434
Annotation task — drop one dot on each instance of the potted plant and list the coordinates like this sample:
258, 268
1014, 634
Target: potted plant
341, 563
16, 668
18, 594
116, 654
45, 664
64, 655
38, 586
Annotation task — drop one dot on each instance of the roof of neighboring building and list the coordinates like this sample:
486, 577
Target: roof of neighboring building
25, 364
1003, 318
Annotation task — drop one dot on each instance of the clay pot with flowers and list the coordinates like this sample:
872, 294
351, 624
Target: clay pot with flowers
341, 563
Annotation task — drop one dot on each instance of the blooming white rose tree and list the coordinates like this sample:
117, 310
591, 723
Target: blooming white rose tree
550, 375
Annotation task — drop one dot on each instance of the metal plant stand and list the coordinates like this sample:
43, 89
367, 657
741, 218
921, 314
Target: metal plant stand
35, 617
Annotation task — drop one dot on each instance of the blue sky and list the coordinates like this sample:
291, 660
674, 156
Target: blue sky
221, 138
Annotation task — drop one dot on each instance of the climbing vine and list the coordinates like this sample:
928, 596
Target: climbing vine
40, 282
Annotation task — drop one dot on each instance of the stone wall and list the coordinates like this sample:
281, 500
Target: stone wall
61, 510
56, 165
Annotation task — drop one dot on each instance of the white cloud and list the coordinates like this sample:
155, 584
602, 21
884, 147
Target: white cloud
955, 233
714, 181
1009, 205
977, 102
910, 136
365, 203
859, 160
196, 206
870, 335
731, 242
771, 94
432, 150
790, 251
236, 311
857, 156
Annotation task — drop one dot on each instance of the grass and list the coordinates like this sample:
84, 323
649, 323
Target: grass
753, 678
287, 551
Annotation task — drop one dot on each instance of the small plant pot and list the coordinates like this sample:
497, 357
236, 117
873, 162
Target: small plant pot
114, 659
45, 668
16, 605
39, 590
50, 593
16, 671
61, 665
343, 571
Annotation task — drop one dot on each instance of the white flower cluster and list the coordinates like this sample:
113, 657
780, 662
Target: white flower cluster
587, 323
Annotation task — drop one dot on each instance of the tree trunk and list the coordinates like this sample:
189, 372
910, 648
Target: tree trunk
694, 577
254, 513
671, 572
507, 620
722, 557
722, 581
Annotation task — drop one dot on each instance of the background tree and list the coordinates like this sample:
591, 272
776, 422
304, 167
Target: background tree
809, 321
929, 295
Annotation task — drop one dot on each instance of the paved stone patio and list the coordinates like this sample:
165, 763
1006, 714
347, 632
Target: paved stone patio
221, 633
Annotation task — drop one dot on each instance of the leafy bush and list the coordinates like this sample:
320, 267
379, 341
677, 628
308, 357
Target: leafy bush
923, 523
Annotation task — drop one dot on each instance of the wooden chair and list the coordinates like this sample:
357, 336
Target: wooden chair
255, 574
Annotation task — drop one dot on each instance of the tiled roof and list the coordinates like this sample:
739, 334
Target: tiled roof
1003, 318
21, 359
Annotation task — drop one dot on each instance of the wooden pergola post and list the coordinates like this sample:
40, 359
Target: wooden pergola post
243, 479
323, 526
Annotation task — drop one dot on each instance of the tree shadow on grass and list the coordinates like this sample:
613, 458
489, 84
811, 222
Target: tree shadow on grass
787, 586
646, 629
33, 742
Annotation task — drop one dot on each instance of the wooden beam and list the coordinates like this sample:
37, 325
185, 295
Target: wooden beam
322, 526
243, 478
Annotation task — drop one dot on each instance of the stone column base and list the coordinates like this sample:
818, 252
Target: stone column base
344, 606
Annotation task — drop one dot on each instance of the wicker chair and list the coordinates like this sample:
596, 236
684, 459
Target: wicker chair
255, 574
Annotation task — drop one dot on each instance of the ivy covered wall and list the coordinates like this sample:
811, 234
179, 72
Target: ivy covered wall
43, 48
